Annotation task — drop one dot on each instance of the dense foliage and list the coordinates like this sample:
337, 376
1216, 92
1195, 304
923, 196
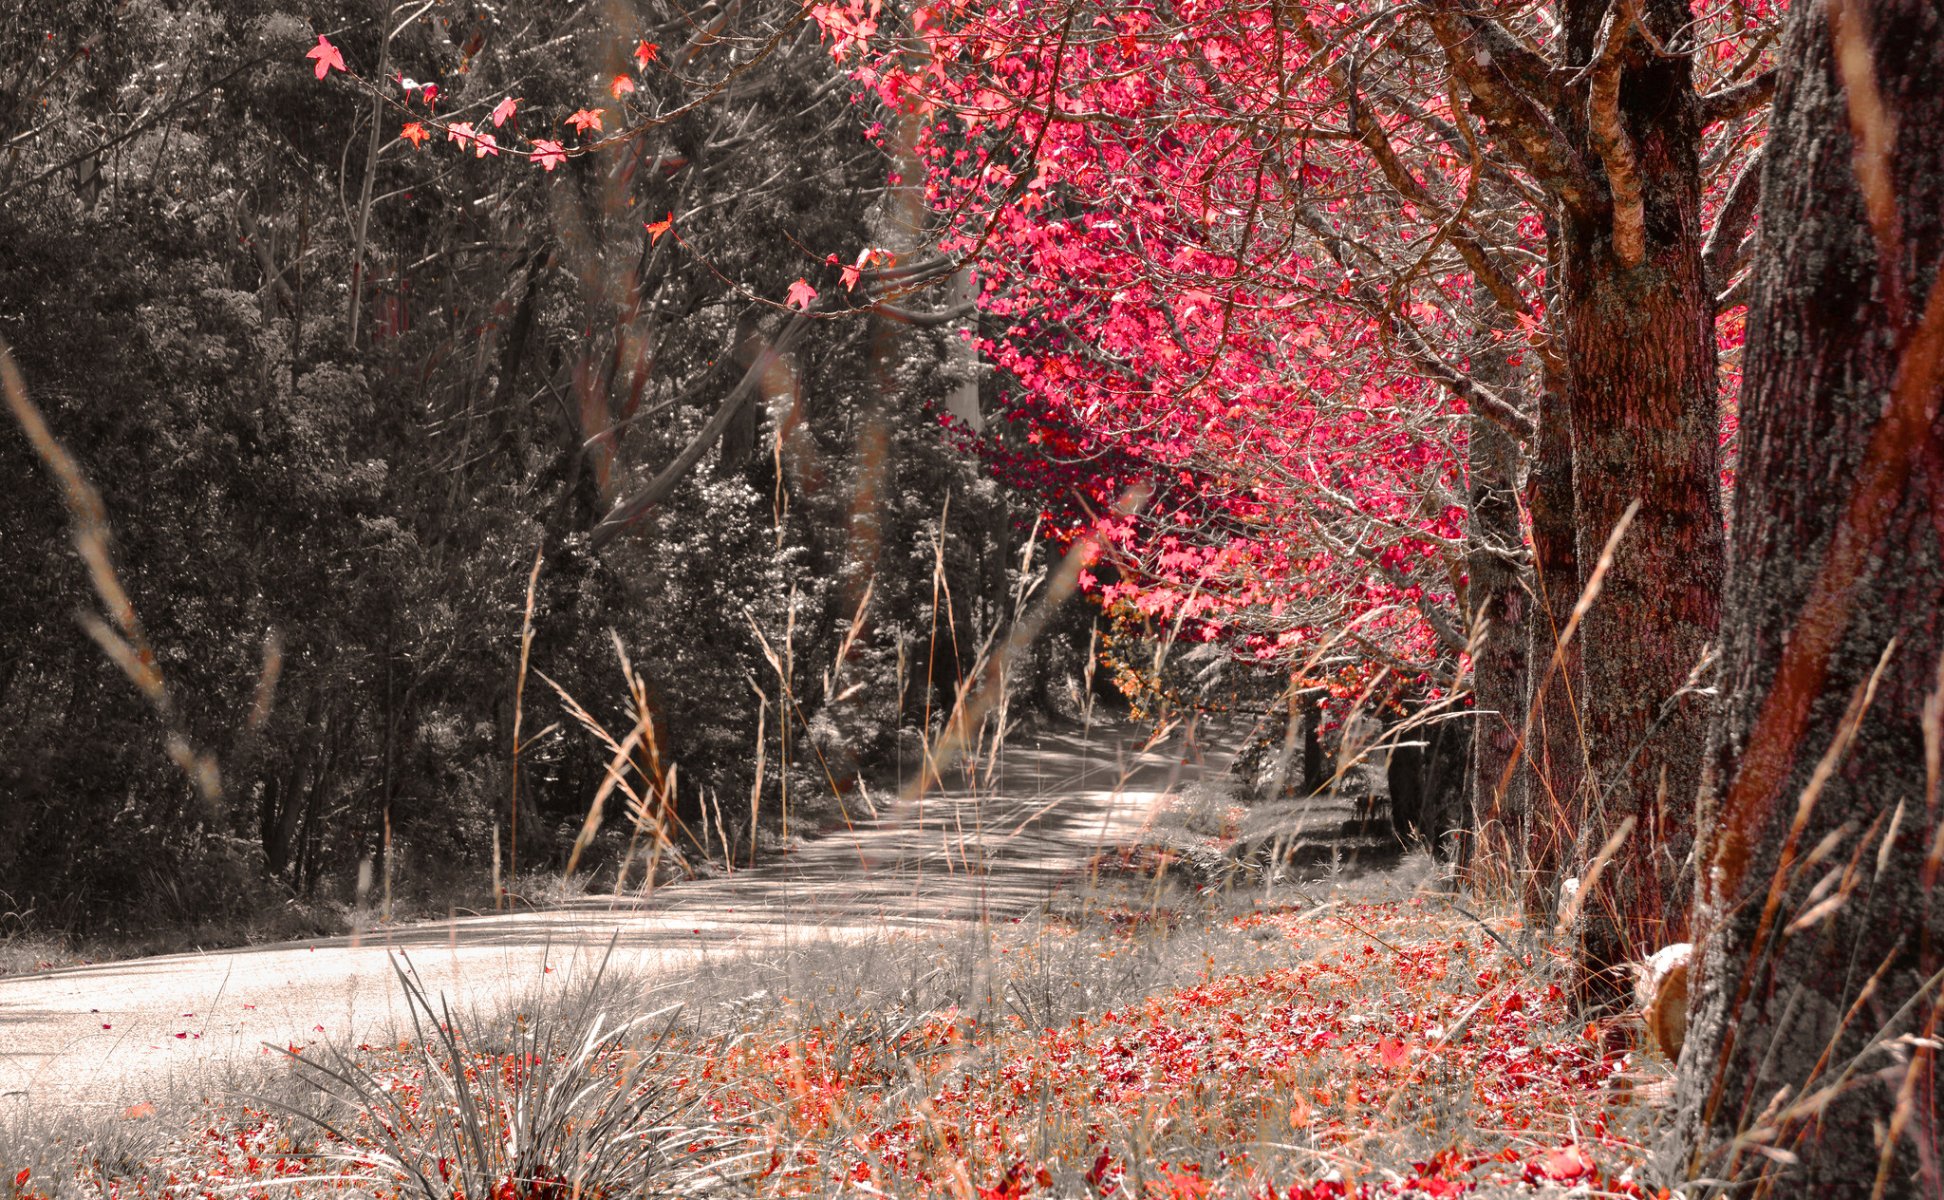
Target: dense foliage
337, 389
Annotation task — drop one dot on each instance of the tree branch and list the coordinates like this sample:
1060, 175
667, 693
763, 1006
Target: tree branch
1616, 149
1739, 100
1473, 46
627, 512
924, 320
1723, 253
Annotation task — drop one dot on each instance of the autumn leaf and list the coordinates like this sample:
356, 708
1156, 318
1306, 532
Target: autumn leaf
136, 1112
586, 119
646, 52
415, 133
657, 228
484, 144
1393, 1053
460, 132
327, 56
1564, 1164
503, 110
621, 86
548, 154
801, 294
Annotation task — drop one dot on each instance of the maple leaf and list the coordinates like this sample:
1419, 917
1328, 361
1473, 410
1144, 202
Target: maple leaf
851, 275
646, 52
621, 86
460, 132
503, 110
1393, 1053
327, 56
586, 119
548, 154
415, 133
801, 295
484, 144
657, 228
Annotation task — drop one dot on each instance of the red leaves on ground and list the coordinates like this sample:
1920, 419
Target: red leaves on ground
1567, 1164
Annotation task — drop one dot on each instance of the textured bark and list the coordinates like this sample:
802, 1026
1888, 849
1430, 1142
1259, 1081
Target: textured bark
1551, 805
1838, 553
1641, 394
1499, 597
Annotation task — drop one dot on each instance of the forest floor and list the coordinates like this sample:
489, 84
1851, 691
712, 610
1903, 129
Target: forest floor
1059, 986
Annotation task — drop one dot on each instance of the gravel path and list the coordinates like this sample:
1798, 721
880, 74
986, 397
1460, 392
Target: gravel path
114, 1033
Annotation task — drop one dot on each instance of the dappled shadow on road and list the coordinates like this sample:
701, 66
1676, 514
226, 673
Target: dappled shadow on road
932, 858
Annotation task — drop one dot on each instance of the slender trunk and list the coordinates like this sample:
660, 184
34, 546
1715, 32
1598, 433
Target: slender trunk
1639, 344
1498, 596
1315, 766
1551, 805
1816, 1012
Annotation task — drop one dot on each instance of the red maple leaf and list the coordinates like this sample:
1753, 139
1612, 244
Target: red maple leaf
415, 133
586, 119
503, 110
1393, 1054
621, 86
646, 52
549, 155
801, 295
1564, 1164
657, 228
327, 56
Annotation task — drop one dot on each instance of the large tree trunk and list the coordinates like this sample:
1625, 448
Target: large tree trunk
1641, 393
1820, 919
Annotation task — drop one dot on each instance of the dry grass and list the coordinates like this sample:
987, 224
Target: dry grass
1136, 1039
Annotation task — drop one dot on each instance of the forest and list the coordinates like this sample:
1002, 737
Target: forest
434, 421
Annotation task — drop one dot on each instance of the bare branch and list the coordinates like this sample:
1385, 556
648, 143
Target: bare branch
1514, 115
1615, 147
628, 511
1739, 100
925, 320
1723, 254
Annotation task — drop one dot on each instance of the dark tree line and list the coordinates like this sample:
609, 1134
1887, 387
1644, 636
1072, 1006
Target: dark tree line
362, 478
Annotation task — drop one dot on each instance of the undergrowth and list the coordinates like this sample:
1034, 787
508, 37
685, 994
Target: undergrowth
1134, 1041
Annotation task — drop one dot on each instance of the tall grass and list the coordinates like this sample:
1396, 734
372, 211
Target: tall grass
569, 1104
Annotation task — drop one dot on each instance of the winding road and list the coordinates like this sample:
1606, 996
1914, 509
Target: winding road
111, 1033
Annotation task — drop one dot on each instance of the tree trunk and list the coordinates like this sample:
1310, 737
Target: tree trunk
1551, 806
1820, 919
1500, 602
1641, 393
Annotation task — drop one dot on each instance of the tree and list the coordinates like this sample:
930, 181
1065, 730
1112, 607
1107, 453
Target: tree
1811, 1063
1582, 165
286, 393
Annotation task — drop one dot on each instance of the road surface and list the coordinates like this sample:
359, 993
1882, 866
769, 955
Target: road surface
116, 1032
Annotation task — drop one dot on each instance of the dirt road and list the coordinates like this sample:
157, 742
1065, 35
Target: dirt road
112, 1033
